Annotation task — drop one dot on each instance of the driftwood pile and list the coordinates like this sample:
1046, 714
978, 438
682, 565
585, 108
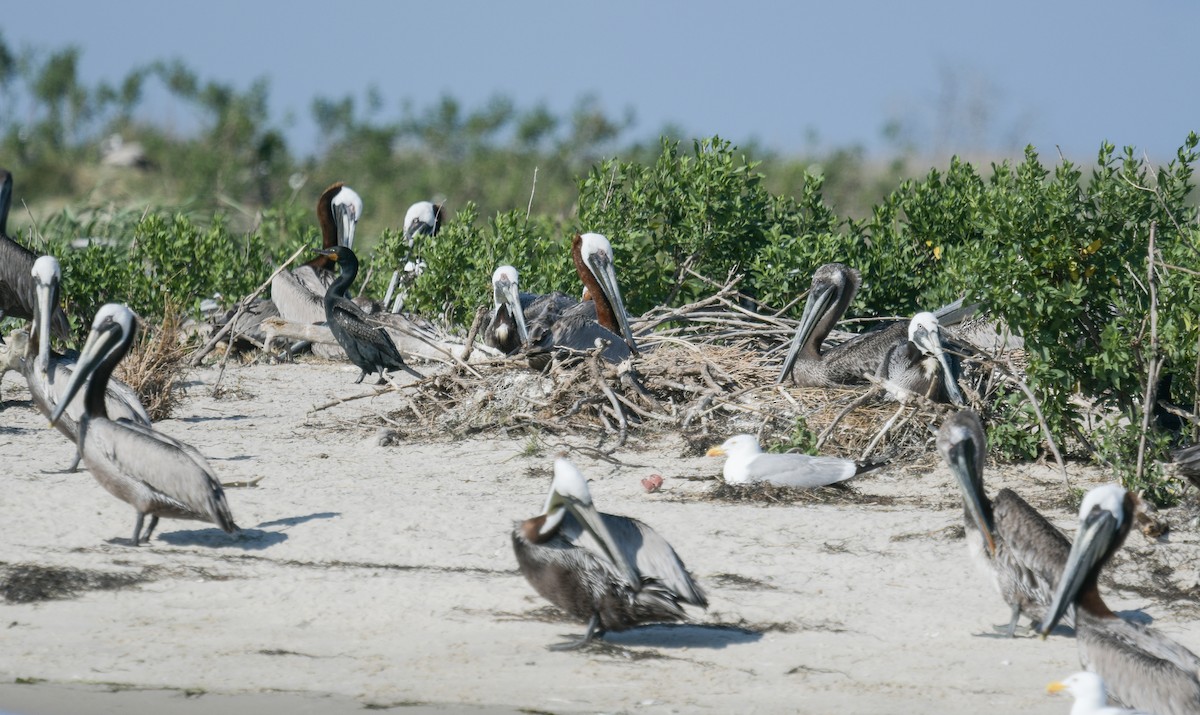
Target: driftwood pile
707, 370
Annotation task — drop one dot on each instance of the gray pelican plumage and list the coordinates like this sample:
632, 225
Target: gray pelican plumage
1090, 694
48, 373
1008, 539
611, 571
578, 325
506, 330
156, 474
834, 286
1141, 666
920, 364
299, 294
746, 463
366, 344
17, 292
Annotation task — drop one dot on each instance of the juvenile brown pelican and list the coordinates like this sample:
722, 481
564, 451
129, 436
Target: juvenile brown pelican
17, 299
611, 571
506, 329
834, 286
1142, 667
578, 326
1091, 698
1007, 537
746, 463
920, 364
367, 345
298, 294
157, 474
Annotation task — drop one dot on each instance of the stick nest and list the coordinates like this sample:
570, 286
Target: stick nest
707, 371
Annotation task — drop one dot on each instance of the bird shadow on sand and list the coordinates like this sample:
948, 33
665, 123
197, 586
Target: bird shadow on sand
294, 520
245, 539
683, 635
1139, 617
219, 418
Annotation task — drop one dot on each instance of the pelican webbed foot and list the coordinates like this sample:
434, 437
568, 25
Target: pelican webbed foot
593, 631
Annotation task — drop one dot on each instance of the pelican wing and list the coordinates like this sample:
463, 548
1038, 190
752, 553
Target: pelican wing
294, 301
18, 295
1035, 550
176, 472
315, 280
656, 562
798, 470
1141, 667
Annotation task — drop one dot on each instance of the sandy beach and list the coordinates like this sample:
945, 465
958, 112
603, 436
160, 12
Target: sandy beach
383, 577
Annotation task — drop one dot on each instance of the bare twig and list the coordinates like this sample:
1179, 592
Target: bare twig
245, 303
1155, 361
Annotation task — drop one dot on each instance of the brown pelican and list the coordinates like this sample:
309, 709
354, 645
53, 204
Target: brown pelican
158, 475
506, 329
1007, 538
1142, 667
367, 345
611, 571
298, 294
746, 463
48, 372
834, 286
577, 326
920, 364
1091, 698
423, 218
17, 297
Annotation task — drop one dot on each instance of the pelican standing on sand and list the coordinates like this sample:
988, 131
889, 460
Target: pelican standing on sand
1142, 667
611, 571
17, 293
48, 373
156, 474
601, 317
746, 463
834, 286
368, 346
1007, 538
1090, 695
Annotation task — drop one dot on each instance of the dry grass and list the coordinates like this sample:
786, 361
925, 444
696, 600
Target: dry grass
155, 365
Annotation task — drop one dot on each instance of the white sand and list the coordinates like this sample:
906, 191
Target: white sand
384, 576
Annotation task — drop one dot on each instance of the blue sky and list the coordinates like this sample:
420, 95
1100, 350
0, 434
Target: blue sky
963, 77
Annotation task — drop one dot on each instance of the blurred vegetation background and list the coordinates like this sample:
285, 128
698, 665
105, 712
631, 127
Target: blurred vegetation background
158, 215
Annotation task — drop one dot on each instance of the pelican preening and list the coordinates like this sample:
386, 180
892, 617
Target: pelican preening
423, 218
157, 475
368, 346
1090, 695
611, 571
17, 292
1142, 667
746, 463
1009, 539
889, 352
